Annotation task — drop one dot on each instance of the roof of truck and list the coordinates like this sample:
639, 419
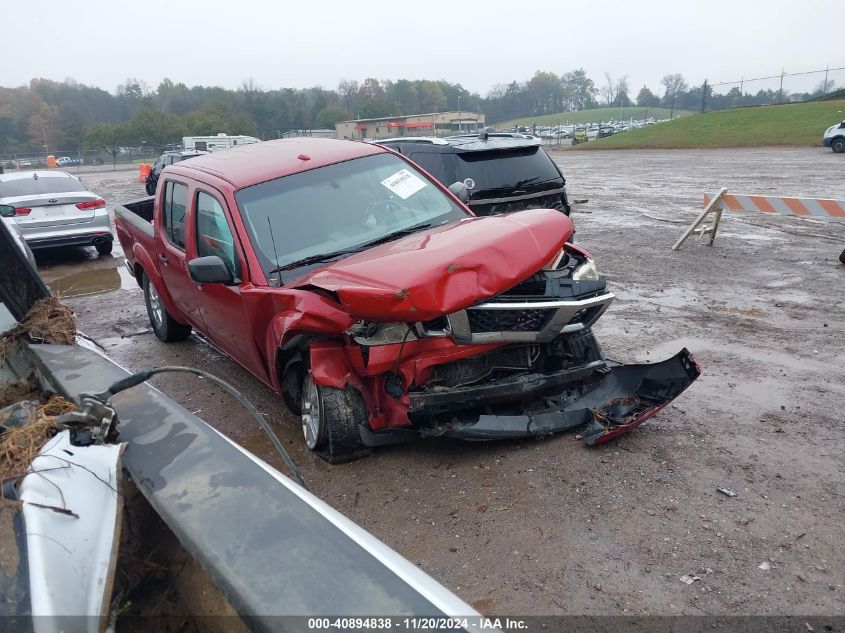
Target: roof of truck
251, 164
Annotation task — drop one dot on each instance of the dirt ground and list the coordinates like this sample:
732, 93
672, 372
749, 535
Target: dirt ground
555, 527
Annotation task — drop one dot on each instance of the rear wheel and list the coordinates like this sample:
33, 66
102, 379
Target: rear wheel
104, 248
330, 421
838, 145
165, 326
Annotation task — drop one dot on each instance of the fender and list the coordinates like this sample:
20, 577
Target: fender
300, 312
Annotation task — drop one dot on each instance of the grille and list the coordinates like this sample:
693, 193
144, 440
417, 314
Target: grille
481, 320
472, 370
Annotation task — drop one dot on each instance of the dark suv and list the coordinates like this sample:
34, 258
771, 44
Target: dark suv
502, 172
168, 158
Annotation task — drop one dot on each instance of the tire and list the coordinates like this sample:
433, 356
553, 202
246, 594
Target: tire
104, 248
165, 326
150, 185
330, 421
838, 145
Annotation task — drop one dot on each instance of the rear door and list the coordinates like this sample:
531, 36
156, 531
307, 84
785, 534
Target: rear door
171, 236
221, 307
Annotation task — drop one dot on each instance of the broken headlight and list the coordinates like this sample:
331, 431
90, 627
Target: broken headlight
586, 272
373, 333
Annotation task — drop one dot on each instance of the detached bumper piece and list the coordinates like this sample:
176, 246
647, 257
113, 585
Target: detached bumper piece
612, 400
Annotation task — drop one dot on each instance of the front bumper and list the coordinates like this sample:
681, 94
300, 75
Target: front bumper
827, 142
603, 401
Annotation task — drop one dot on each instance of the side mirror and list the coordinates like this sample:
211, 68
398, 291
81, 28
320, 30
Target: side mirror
460, 190
7, 210
210, 269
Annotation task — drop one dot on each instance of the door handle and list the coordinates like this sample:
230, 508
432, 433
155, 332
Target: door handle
163, 258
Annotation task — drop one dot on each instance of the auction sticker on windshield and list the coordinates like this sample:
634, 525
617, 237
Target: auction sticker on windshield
404, 184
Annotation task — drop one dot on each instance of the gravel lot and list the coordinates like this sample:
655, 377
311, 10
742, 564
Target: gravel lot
555, 527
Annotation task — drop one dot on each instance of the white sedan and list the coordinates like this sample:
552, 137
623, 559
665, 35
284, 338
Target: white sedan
54, 208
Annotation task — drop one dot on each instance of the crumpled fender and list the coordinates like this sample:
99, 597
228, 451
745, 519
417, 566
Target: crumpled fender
298, 312
435, 272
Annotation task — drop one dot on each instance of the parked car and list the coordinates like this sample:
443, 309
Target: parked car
54, 208
168, 158
502, 172
834, 138
369, 297
67, 161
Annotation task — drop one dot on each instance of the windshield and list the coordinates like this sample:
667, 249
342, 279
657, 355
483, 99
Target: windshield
495, 171
43, 184
340, 207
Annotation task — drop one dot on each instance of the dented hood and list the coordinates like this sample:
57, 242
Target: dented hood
436, 272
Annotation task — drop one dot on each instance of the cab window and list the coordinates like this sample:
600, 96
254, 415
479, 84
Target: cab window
214, 237
175, 204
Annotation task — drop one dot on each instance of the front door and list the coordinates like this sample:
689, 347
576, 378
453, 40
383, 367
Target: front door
221, 307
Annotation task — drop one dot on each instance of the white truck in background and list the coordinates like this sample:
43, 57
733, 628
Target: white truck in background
834, 138
214, 143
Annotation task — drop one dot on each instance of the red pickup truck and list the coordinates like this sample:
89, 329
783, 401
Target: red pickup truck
374, 302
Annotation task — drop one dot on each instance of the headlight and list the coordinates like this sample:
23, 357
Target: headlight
586, 272
372, 333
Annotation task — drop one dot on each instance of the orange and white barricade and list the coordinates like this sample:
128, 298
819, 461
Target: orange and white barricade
773, 205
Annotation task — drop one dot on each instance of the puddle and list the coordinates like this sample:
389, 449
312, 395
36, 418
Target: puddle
91, 282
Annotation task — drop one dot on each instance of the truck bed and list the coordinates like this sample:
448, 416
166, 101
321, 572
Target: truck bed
138, 214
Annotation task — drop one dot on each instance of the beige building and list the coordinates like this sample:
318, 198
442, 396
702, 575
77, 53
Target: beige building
434, 124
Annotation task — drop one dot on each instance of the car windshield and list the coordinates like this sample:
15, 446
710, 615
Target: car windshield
339, 208
43, 184
495, 171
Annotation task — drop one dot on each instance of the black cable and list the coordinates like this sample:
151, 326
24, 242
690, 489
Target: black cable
143, 376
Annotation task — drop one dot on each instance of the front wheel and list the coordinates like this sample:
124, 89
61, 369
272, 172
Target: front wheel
165, 326
330, 421
838, 145
104, 248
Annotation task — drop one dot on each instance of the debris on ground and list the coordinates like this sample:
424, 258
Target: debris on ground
689, 579
765, 565
48, 321
25, 389
26, 425
726, 492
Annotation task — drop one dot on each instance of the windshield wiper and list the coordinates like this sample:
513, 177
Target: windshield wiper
393, 236
324, 257
313, 259
516, 185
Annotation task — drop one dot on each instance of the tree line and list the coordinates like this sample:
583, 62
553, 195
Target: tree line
49, 116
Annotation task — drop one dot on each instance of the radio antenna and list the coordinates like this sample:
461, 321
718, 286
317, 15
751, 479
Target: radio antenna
273, 242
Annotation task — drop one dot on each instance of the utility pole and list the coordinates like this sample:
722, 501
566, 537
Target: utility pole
704, 90
826, 72
780, 90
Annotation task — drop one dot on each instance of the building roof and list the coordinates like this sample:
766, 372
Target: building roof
410, 116
247, 165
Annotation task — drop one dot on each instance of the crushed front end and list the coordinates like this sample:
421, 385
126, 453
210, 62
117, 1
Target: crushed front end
522, 363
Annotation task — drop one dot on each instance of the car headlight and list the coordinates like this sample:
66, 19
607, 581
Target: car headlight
372, 333
586, 272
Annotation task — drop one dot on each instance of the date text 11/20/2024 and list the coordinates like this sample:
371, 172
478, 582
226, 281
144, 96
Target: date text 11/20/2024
477, 623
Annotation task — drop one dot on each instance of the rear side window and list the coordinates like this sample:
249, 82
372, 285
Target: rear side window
175, 205
44, 184
440, 165
214, 237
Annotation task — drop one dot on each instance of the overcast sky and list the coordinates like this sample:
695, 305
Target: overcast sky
476, 43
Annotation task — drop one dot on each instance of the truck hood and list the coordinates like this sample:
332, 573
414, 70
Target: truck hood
436, 272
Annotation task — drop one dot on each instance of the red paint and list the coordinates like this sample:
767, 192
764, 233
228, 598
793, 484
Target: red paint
417, 278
